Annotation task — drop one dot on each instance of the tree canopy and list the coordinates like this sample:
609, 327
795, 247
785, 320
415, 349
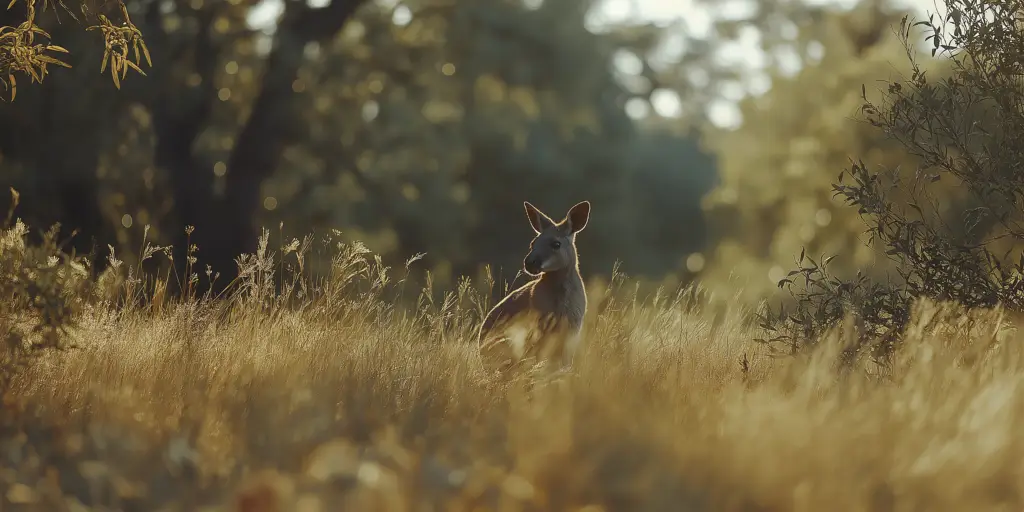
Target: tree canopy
419, 127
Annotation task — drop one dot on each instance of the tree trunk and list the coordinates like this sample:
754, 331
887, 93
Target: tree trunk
226, 228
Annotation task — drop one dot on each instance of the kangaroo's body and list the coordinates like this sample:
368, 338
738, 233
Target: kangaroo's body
542, 319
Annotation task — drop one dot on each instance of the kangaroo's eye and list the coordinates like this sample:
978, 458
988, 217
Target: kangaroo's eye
555, 244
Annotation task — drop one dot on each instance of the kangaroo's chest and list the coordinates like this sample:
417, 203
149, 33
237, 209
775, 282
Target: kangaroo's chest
538, 322
560, 310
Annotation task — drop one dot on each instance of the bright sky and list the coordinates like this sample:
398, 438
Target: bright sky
746, 51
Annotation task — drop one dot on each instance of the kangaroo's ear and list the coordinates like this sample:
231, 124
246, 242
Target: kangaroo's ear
578, 216
538, 220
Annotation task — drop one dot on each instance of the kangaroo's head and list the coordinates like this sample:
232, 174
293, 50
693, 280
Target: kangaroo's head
554, 247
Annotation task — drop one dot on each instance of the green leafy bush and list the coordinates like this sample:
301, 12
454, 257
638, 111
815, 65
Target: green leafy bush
42, 292
966, 130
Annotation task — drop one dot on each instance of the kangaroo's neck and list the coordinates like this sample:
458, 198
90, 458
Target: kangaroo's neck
562, 282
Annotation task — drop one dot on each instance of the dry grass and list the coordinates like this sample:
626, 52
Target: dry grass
338, 401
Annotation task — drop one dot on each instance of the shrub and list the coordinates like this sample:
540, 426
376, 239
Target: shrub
42, 292
966, 130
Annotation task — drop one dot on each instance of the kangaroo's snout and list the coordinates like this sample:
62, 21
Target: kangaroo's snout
533, 264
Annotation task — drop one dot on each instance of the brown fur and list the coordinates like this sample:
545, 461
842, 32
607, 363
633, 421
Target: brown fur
541, 320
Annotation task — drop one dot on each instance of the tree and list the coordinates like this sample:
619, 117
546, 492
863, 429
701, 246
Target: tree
418, 127
524, 103
776, 198
28, 51
951, 225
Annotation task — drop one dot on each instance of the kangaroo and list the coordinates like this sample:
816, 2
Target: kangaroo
542, 319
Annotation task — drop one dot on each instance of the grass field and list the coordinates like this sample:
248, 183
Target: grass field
334, 399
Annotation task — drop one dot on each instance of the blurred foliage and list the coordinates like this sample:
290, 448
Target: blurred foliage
777, 169
517, 104
963, 128
418, 126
